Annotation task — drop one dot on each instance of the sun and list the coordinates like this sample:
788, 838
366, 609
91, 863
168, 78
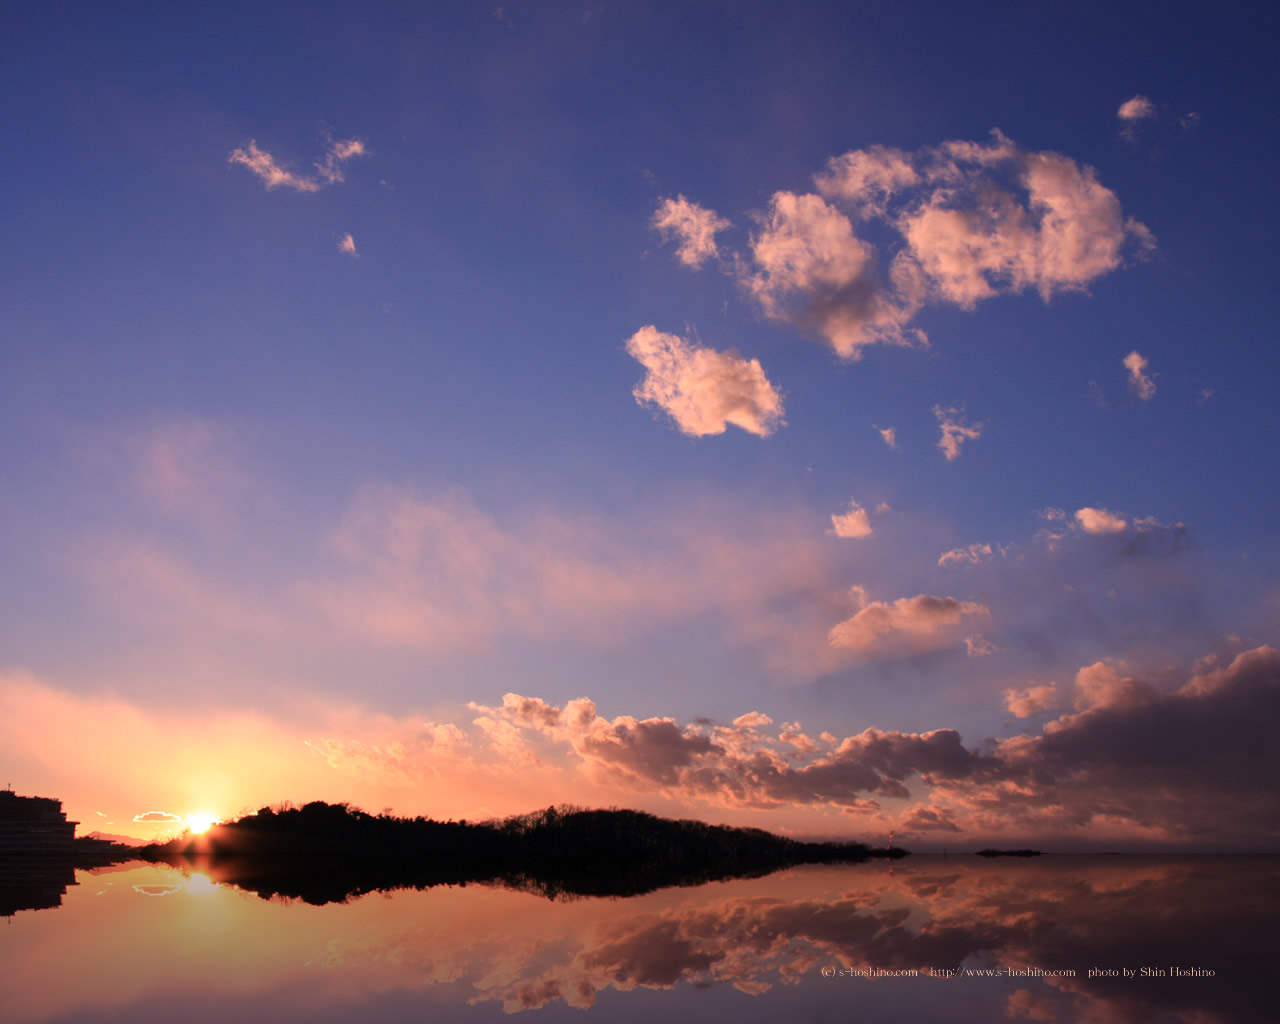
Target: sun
201, 822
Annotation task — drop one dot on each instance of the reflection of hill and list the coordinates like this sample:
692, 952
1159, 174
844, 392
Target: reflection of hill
1059, 914
325, 853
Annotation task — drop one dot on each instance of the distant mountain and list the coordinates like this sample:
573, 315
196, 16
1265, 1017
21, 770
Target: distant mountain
122, 840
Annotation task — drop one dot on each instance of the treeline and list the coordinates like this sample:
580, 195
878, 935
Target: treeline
329, 852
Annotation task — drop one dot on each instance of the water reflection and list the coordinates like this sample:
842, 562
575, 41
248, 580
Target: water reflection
24, 886
897, 943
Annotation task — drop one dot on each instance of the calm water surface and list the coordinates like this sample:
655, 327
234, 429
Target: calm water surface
145, 943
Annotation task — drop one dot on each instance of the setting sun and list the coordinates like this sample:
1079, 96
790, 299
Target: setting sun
200, 822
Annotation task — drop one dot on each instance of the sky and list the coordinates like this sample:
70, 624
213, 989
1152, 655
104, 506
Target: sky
846, 419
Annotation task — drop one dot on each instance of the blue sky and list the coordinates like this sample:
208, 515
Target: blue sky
319, 335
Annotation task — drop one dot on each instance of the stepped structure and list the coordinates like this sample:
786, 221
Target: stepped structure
34, 828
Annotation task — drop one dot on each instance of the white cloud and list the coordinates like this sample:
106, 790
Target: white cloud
1141, 383
273, 175
971, 555
954, 430
889, 436
157, 816
347, 244
701, 389
1099, 522
693, 226
1138, 108
854, 523
908, 624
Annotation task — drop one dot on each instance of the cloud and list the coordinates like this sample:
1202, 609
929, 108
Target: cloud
954, 430
1051, 227
867, 179
273, 175
889, 436
1137, 535
812, 271
978, 646
701, 389
347, 244
1130, 760
914, 624
854, 523
1179, 765
737, 765
1031, 700
968, 221
436, 573
1141, 383
971, 555
1099, 522
694, 227
1138, 108
189, 469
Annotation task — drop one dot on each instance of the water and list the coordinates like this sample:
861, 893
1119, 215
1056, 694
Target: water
149, 943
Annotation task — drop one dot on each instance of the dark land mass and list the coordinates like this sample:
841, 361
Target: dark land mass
1008, 853
327, 853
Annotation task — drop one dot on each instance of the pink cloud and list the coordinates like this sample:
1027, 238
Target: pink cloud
701, 389
273, 175
1131, 762
1136, 108
437, 573
195, 471
868, 178
955, 430
971, 555
974, 220
694, 227
854, 523
812, 270
908, 624
1099, 522
1141, 383
1031, 701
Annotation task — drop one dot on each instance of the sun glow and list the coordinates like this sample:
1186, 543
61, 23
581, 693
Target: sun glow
201, 822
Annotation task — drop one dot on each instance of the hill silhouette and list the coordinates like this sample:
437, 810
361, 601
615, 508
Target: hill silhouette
324, 853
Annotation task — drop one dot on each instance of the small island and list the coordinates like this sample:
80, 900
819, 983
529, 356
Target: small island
324, 853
